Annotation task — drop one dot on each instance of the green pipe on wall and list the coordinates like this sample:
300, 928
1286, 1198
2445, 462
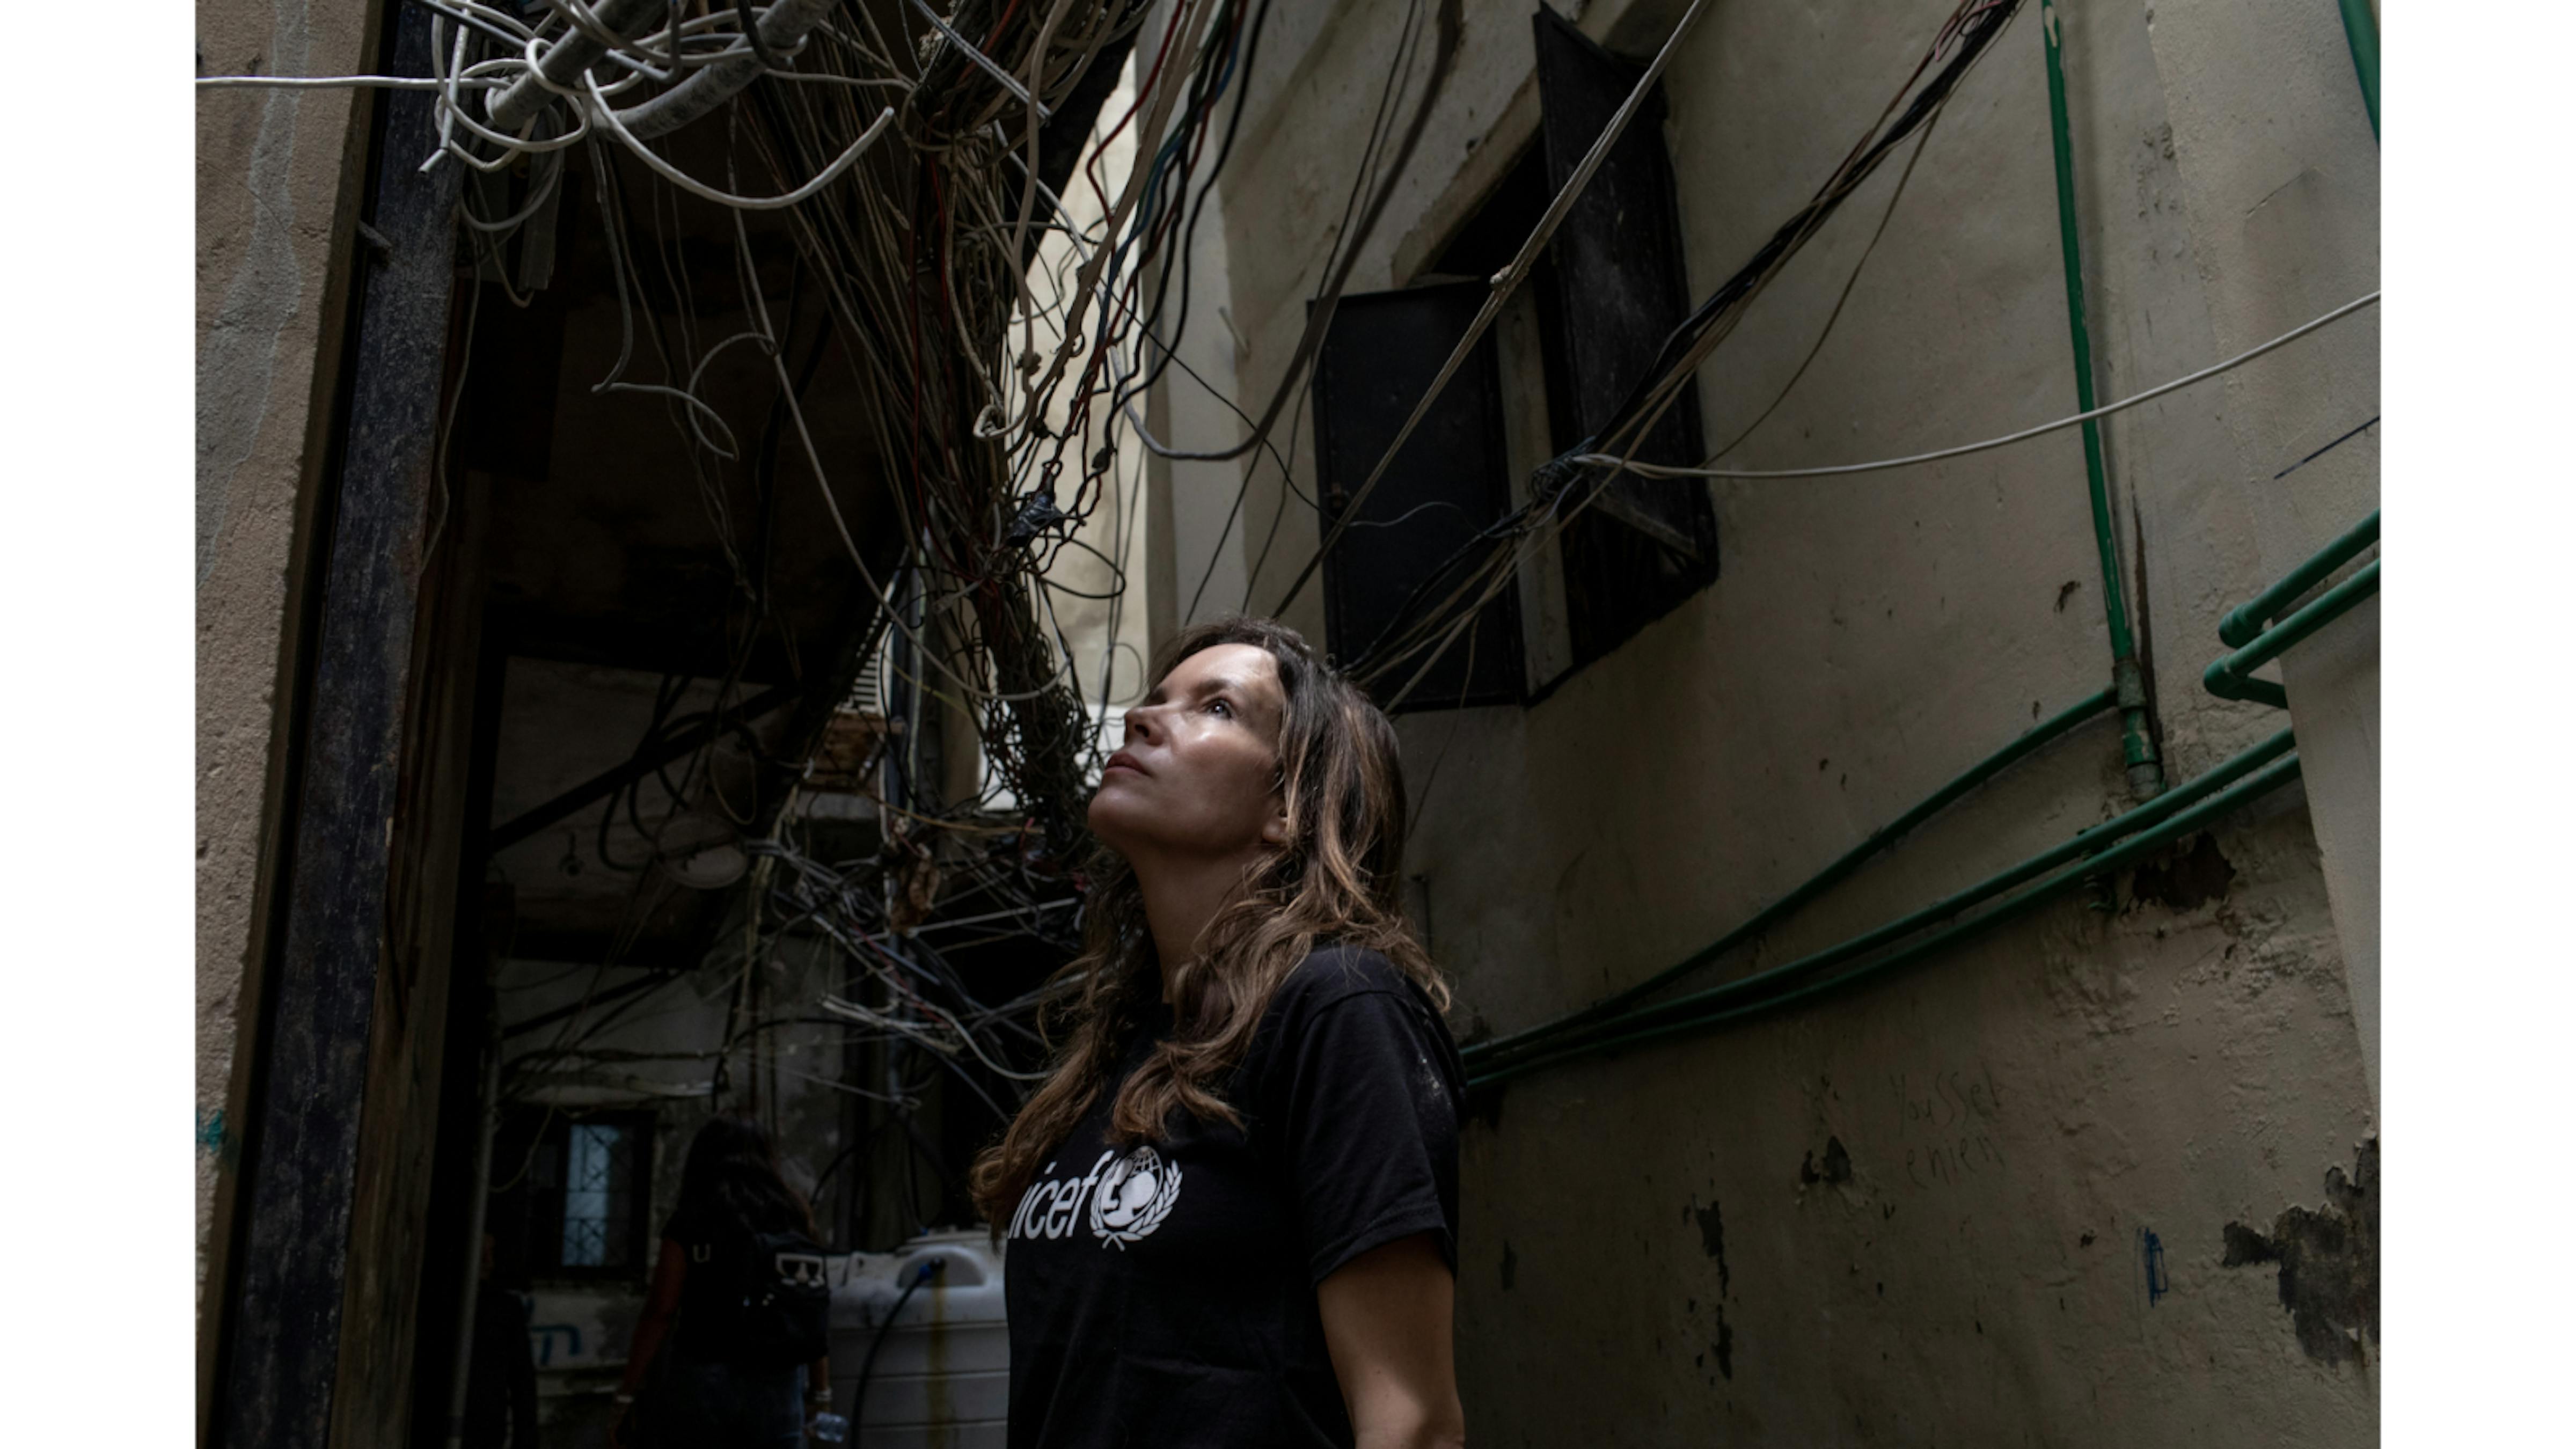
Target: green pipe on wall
2361, 32
2230, 677
2137, 742
1762, 920
2200, 816
2245, 622
2092, 841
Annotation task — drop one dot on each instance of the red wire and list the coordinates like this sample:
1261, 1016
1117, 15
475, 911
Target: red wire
1089, 168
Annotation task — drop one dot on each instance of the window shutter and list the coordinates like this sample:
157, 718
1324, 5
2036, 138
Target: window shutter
1645, 545
1446, 485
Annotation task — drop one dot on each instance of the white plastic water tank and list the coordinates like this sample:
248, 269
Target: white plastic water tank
942, 1378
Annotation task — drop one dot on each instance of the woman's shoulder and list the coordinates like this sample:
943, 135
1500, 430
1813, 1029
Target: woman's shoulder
1352, 1004
1334, 972
1337, 976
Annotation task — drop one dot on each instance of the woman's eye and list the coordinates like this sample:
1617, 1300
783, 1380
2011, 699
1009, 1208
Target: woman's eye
1221, 707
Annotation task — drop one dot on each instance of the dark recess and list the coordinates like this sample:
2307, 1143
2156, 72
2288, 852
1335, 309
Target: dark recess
1448, 482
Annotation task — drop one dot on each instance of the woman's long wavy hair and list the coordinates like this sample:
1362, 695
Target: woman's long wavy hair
731, 1176
1335, 881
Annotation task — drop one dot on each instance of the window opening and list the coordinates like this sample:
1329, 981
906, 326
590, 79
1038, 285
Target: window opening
1619, 289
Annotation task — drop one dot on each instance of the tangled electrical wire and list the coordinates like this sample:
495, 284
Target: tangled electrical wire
997, 393
920, 155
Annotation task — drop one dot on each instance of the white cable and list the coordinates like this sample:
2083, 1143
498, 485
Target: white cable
1657, 470
783, 27
325, 82
986, 64
607, 115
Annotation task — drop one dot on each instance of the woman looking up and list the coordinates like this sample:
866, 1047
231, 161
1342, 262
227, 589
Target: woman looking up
1233, 1204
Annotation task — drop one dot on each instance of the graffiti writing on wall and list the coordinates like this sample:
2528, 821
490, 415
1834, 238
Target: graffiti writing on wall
1945, 1116
545, 1335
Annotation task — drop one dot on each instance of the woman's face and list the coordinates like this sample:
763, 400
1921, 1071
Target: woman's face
1199, 771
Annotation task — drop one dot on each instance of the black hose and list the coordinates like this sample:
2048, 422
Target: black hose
867, 1366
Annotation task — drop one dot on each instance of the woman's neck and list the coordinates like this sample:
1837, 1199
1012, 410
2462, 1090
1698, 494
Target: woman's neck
1182, 894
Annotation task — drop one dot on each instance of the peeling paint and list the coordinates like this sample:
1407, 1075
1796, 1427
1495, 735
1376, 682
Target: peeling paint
2328, 1259
2185, 879
1712, 1237
1834, 1170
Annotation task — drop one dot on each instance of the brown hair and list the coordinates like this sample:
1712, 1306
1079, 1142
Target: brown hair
1336, 881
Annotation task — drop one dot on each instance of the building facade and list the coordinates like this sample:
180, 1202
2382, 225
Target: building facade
2012, 1191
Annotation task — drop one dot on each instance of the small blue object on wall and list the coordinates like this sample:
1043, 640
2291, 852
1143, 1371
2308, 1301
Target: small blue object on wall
2152, 1248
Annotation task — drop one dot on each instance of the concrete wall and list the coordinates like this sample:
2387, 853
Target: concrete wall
1993, 1198
277, 190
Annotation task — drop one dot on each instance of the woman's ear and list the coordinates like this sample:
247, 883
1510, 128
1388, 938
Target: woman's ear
1274, 831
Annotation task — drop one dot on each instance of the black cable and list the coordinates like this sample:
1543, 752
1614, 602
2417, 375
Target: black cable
1979, 32
867, 1366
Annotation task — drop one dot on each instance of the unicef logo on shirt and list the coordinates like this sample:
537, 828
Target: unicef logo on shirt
1135, 1195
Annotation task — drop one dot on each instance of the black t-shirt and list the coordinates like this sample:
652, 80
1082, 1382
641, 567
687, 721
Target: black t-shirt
722, 1250
703, 1289
1164, 1295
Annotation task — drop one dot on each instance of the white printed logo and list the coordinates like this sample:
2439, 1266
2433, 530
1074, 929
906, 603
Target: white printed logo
799, 1270
1135, 1195
1126, 1198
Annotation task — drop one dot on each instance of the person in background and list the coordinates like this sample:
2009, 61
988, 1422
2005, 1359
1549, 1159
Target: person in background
1233, 1207
501, 1387
733, 1372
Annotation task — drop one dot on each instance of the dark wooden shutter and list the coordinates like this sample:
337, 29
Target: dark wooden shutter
1447, 483
1645, 545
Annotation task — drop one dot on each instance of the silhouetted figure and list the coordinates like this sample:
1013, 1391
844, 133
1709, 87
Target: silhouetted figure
501, 1385
742, 1271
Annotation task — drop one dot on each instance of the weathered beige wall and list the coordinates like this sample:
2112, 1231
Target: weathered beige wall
1920, 1212
2280, 207
277, 175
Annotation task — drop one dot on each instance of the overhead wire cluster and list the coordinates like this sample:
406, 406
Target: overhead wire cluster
908, 154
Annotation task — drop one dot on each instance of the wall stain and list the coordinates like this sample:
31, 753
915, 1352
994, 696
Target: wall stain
1712, 1240
2328, 1260
1835, 1170
2185, 879
1511, 1266
1712, 1237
